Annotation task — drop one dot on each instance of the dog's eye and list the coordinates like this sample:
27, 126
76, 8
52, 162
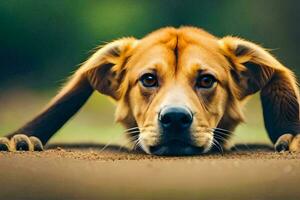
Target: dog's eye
149, 80
206, 81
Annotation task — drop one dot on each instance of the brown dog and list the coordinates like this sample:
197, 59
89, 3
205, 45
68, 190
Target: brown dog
178, 92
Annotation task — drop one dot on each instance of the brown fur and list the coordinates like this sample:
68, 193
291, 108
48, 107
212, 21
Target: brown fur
177, 57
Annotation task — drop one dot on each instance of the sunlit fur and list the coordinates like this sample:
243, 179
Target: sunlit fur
177, 56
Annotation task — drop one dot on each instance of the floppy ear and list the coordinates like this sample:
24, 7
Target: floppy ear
255, 69
103, 72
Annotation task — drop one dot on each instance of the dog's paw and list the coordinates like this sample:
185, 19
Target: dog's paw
4, 144
21, 142
288, 142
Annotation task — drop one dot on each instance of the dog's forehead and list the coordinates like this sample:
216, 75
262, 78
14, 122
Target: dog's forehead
187, 49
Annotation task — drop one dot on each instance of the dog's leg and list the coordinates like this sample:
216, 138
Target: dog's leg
37, 132
255, 69
102, 72
281, 112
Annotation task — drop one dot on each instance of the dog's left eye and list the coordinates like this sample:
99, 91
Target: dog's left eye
206, 81
149, 80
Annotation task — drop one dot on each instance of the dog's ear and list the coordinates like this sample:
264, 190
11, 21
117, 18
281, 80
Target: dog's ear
254, 69
103, 71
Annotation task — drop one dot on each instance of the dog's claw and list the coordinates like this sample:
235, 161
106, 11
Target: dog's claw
282, 146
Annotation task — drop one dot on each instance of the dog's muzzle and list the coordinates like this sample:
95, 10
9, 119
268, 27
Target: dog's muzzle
175, 123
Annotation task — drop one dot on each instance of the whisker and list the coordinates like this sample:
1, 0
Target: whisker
230, 142
134, 137
126, 143
137, 144
225, 134
218, 145
110, 142
223, 130
230, 134
132, 132
129, 140
220, 137
133, 128
221, 134
224, 139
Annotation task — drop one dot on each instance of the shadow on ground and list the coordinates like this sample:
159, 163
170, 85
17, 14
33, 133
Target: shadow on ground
118, 148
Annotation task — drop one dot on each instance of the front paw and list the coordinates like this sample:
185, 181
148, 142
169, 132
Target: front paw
288, 142
21, 142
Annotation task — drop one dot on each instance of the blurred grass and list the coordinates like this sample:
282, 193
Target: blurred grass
95, 121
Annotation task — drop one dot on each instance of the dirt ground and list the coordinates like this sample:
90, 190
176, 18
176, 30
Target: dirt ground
87, 171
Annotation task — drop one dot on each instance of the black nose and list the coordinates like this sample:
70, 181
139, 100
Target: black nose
175, 117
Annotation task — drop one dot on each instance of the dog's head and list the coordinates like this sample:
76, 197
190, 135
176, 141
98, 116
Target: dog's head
175, 87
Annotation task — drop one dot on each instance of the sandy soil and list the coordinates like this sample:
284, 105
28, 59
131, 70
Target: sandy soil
87, 171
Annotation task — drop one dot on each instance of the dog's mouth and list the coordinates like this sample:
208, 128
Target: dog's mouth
175, 148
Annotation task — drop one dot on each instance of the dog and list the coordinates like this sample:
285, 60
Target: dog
178, 91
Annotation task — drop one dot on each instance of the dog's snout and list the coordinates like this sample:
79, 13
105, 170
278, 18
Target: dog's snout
175, 117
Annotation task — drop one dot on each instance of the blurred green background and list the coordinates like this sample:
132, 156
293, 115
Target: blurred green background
42, 42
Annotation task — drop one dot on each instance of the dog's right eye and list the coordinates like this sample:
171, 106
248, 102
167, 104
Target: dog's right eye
149, 80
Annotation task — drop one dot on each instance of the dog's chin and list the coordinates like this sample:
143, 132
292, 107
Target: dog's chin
176, 148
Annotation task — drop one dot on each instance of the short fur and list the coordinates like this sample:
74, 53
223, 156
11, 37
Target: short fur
177, 55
